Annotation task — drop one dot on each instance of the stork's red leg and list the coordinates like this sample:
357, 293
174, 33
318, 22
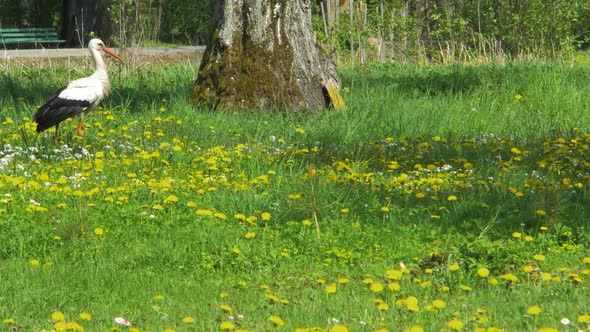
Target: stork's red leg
80, 127
55, 134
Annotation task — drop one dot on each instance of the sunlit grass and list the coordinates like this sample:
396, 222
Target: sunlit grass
446, 198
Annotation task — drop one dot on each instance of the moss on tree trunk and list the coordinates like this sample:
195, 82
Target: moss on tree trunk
263, 53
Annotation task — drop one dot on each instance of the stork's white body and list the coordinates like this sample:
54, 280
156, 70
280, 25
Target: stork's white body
78, 97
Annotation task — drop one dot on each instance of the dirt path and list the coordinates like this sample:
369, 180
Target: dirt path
81, 52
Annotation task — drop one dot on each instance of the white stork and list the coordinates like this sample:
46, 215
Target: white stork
78, 97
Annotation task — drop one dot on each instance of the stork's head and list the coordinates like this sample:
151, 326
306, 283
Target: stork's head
98, 45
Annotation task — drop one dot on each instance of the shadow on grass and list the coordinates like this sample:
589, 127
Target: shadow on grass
28, 89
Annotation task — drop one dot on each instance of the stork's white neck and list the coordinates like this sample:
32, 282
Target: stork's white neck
100, 72
99, 64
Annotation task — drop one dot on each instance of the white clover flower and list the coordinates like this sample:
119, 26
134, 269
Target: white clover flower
565, 321
122, 321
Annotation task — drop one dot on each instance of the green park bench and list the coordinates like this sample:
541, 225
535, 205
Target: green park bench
28, 36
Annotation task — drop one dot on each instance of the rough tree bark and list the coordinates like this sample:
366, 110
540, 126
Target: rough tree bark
264, 53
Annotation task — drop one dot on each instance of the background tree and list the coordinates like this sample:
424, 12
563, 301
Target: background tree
264, 53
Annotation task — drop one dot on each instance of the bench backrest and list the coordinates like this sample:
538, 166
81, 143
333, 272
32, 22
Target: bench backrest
29, 35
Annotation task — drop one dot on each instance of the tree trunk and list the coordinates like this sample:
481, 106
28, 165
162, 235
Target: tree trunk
264, 53
80, 17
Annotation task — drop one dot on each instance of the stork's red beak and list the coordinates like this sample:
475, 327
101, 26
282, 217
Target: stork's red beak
111, 53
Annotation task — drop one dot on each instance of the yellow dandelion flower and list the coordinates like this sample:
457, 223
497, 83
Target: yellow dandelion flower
541, 212
539, 257
343, 280
158, 298
395, 274
534, 310
517, 235
411, 303
9, 321
99, 231
225, 307
376, 287
545, 276
236, 250
528, 238
265, 216
188, 320
276, 320
382, 306
34, 262
306, 223
575, 277
465, 288
584, 319
586, 260
204, 212
227, 326
60, 326
85, 316
384, 209
528, 268
483, 272
240, 216
452, 198
547, 329
367, 281
331, 288
171, 199
420, 195
455, 324
394, 286
439, 304
415, 328
73, 326
220, 215
250, 235
493, 281
454, 267
58, 316
339, 328
509, 277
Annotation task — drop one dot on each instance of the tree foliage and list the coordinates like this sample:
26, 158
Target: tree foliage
433, 28
513, 27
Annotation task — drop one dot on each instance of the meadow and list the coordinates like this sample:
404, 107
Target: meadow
445, 198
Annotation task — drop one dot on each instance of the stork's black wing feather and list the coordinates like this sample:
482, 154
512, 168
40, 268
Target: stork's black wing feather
58, 109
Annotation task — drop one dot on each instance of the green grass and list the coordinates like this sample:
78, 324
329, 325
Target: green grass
178, 217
